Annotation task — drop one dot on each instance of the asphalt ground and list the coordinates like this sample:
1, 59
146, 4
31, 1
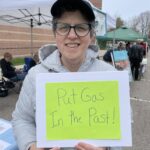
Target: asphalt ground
140, 103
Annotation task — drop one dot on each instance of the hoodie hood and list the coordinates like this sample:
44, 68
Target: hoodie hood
50, 57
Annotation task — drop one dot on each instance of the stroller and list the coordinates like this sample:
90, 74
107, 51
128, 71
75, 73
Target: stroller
5, 85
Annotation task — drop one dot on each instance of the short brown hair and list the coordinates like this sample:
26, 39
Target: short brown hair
7, 54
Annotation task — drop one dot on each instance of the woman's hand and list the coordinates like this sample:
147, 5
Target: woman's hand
33, 147
85, 146
55, 148
79, 146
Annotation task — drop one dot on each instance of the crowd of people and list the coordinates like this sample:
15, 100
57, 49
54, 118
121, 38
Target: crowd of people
136, 52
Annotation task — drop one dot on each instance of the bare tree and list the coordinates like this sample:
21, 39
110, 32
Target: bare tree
141, 23
145, 22
119, 22
133, 23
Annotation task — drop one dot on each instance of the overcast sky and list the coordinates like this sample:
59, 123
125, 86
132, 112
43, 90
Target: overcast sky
126, 9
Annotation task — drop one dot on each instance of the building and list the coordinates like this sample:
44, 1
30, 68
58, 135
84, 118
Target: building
97, 3
17, 40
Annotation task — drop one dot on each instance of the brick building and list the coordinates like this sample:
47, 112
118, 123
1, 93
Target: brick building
97, 3
17, 39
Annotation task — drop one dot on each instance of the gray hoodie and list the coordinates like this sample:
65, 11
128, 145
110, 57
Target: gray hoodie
24, 123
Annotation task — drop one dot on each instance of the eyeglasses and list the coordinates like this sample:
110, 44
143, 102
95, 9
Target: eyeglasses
80, 29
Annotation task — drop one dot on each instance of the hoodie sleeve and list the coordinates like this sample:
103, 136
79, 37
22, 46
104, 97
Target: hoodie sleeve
23, 117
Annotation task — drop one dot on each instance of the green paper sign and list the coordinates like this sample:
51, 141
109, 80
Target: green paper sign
82, 110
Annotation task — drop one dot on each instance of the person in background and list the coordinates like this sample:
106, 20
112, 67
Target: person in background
124, 63
143, 45
30, 62
128, 45
9, 71
121, 46
73, 24
135, 56
108, 57
34, 61
119, 65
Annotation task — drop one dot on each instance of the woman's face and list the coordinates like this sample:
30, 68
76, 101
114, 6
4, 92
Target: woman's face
8, 58
71, 46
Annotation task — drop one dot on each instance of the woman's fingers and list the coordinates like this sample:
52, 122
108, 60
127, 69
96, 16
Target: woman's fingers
55, 148
85, 146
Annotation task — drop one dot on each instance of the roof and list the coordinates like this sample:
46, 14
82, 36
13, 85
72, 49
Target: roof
121, 34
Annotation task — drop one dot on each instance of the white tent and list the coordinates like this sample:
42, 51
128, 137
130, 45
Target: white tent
17, 12
18, 4
11, 6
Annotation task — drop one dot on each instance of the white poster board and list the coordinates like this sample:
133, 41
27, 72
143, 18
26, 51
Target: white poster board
121, 77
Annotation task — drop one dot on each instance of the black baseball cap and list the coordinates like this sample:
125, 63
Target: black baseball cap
61, 6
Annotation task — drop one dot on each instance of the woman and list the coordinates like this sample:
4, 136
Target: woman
74, 30
9, 71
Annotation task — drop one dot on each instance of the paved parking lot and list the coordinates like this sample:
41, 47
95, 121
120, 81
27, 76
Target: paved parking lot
140, 103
